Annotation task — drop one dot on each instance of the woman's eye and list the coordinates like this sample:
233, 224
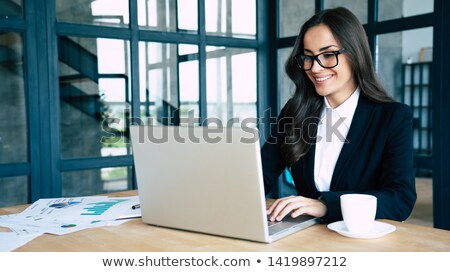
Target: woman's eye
328, 55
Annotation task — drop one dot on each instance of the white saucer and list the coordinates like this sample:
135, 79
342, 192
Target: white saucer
379, 229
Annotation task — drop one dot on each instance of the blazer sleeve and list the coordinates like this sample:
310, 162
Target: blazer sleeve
395, 185
272, 159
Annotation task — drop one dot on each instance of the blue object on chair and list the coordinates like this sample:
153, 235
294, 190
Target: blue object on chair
286, 186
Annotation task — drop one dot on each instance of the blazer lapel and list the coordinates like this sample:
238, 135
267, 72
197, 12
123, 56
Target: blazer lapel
361, 121
308, 168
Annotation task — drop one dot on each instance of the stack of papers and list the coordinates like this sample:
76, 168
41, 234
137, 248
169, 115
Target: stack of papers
61, 216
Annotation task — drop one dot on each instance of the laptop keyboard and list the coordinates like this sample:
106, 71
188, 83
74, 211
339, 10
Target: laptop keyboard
278, 226
273, 223
286, 223
285, 219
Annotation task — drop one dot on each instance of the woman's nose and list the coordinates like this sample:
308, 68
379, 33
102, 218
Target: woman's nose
316, 67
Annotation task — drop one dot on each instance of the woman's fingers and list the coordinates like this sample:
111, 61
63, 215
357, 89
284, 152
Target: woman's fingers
276, 203
296, 206
283, 207
311, 207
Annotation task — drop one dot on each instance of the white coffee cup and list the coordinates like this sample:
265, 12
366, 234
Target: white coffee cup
358, 211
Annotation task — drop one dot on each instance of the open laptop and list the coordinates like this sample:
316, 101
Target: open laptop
206, 180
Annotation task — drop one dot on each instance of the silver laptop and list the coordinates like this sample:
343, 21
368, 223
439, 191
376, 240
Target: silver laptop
206, 180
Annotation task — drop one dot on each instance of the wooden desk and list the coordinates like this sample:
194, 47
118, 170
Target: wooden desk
137, 236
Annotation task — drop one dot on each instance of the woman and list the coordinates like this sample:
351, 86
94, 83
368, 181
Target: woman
340, 132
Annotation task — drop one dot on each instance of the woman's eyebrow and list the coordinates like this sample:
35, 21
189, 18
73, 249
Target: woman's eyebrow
321, 49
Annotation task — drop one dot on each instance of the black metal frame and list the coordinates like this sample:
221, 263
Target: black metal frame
441, 129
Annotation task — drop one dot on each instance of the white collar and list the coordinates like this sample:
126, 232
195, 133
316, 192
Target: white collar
346, 109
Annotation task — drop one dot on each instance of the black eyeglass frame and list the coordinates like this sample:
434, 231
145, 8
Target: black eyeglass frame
299, 59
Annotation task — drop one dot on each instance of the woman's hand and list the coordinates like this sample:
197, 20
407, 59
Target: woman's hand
298, 205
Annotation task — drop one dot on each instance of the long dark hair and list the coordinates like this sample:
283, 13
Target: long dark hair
305, 107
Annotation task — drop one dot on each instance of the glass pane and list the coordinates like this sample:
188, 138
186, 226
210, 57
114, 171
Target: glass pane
11, 9
235, 18
231, 85
14, 191
168, 15
96, 181
422, 213
189, 89
293, 13
97, 12
169, 81
358, 7
13, 131
286, 87
404, 63
393, 9
95, 96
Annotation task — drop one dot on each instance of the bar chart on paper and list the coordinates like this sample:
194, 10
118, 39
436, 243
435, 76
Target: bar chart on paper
99, 208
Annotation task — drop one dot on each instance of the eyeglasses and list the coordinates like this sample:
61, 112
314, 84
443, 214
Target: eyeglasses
325, 59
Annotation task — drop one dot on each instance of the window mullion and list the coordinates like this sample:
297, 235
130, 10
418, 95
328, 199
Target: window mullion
202, 61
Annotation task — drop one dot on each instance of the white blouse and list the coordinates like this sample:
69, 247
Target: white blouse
331, 135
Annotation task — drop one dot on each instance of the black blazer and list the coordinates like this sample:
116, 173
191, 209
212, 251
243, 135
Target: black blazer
377, 159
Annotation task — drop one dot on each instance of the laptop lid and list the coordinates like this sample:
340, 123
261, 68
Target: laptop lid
203, 179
